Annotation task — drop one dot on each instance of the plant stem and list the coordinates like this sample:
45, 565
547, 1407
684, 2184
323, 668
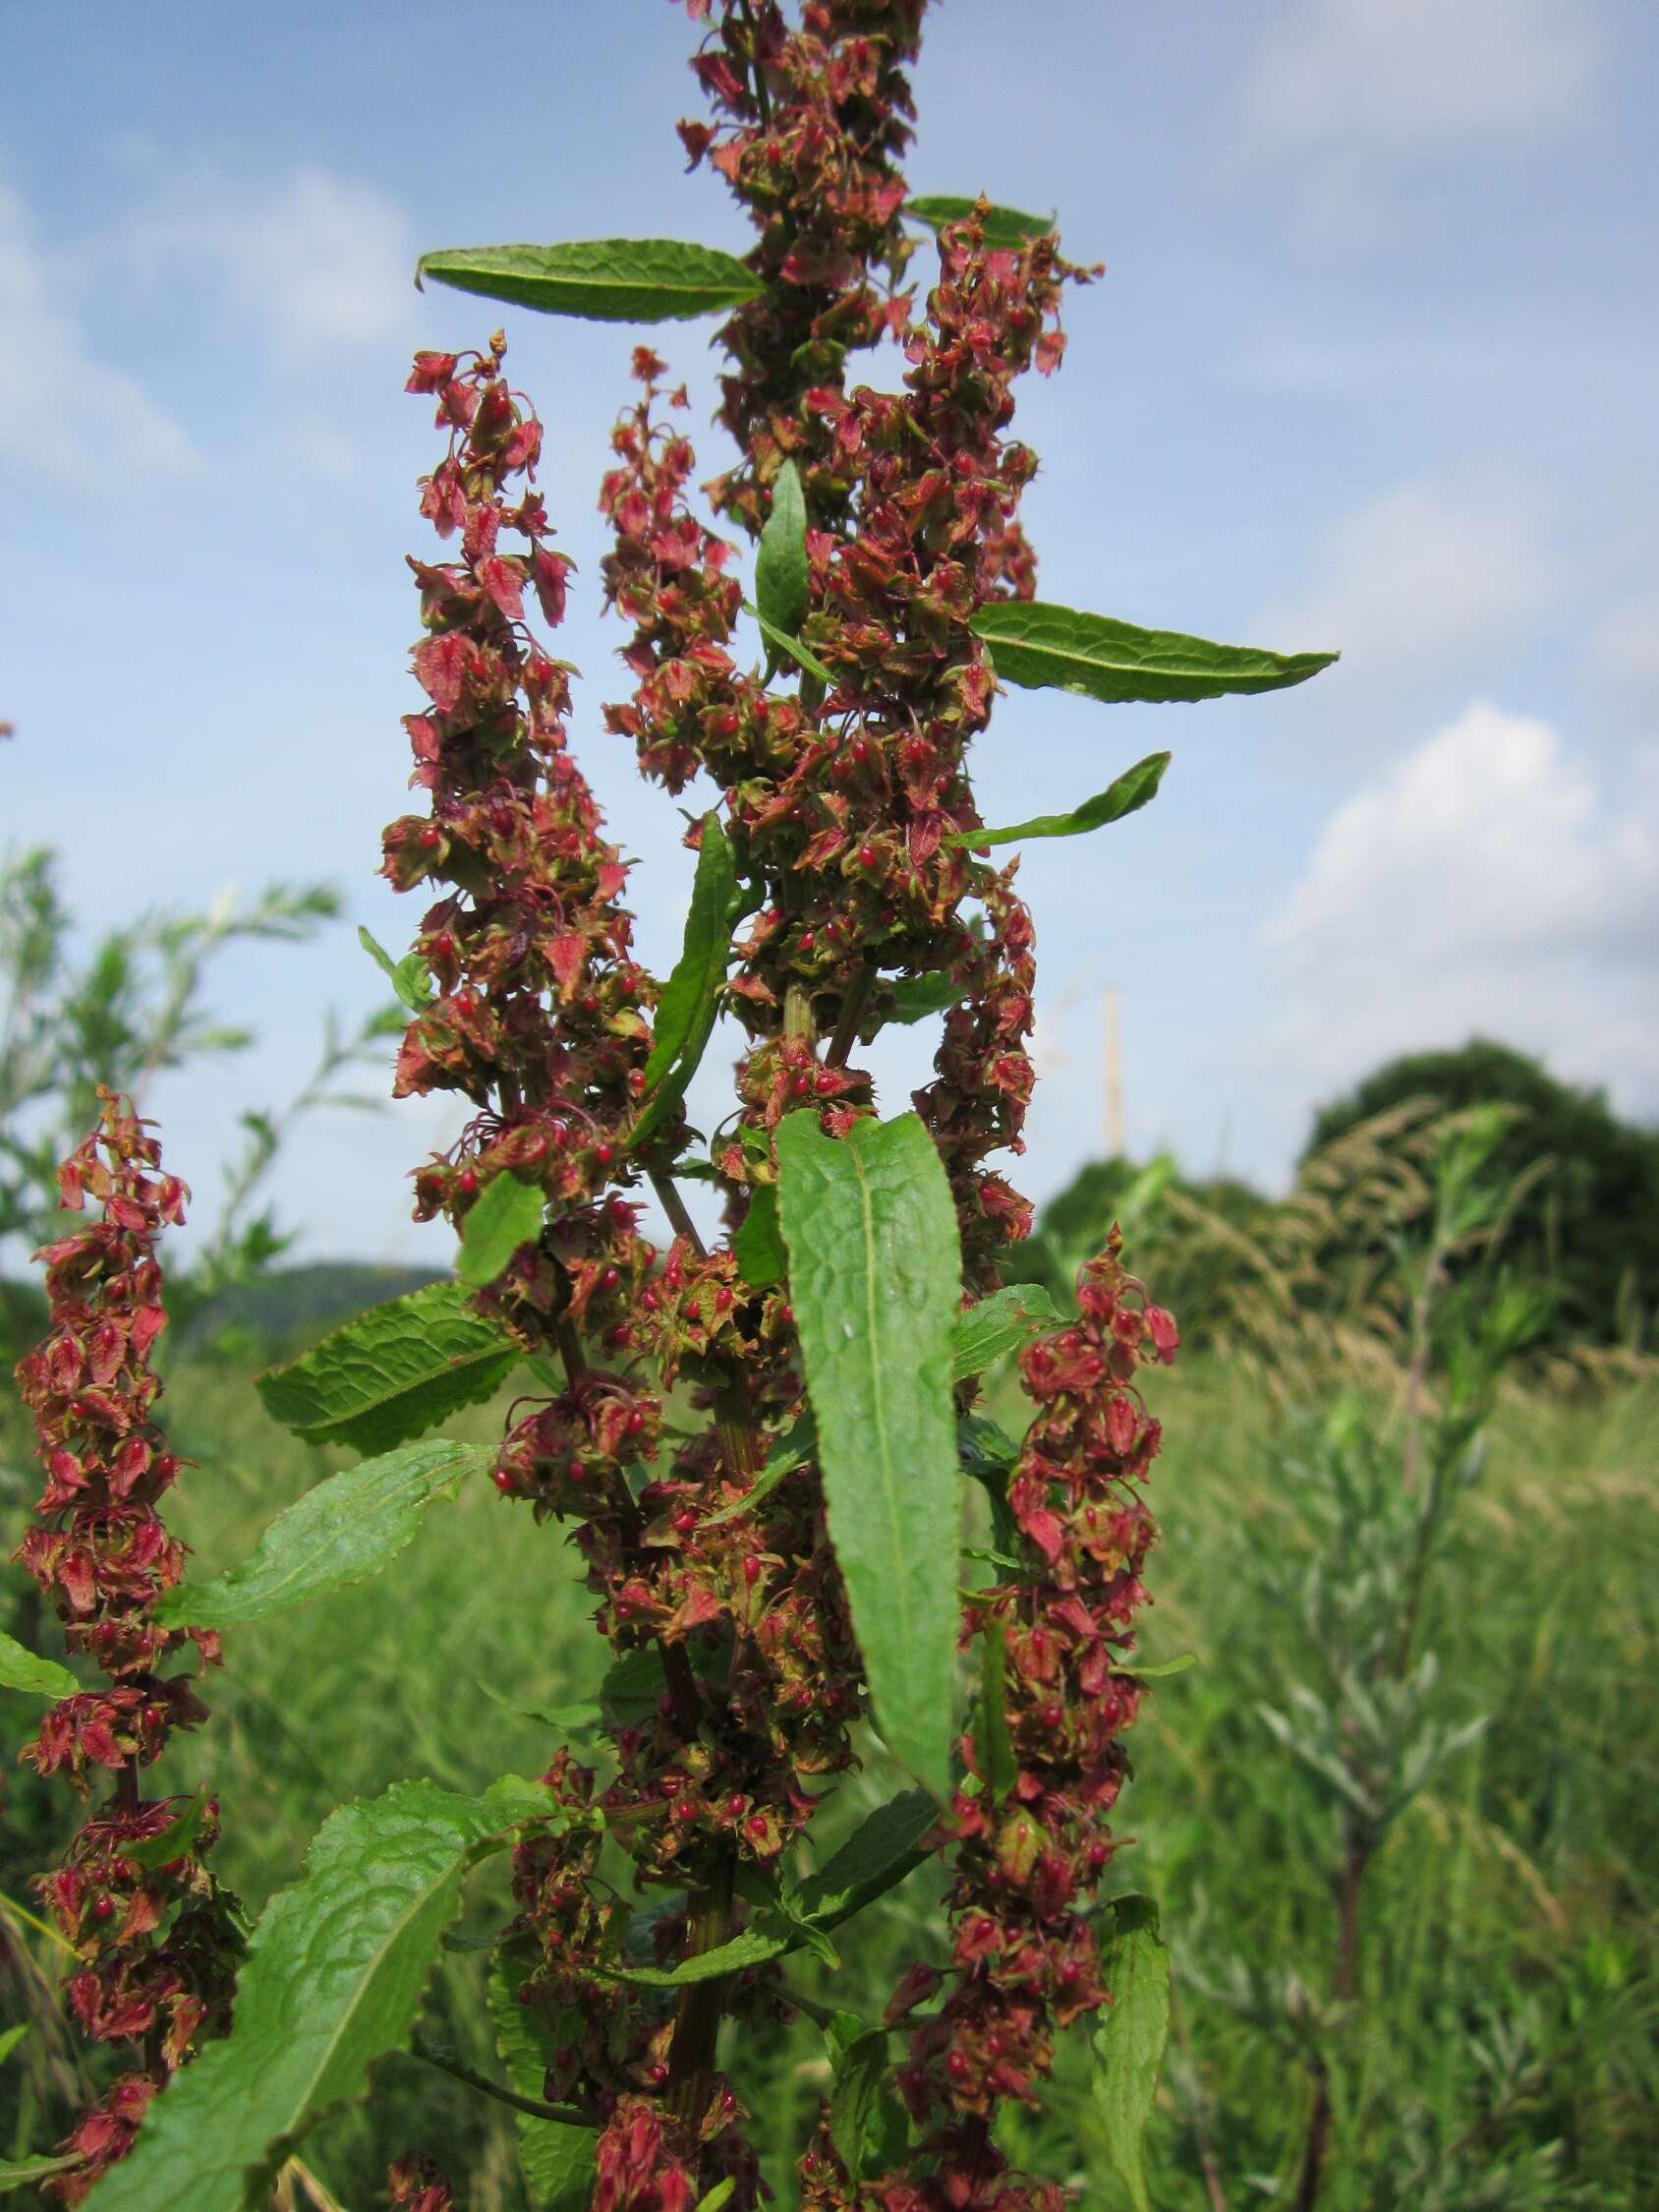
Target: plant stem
697, 2018
763, 98
674, 1206
570, 2116
852, 1013
1357, 1857
676, 1667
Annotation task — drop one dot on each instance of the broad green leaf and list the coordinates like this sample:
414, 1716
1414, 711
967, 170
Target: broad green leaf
1056, 649
340, 1532
1136, 787
758, 1242
1000, 1323
600, 279
392, 1372
332, 1982
712, 2201
780, 560
879, 1854
994, 1752
11, 2038
508, 1213
21, 1669
876, 1858
27, 2172
785, 643
790, 1451
860, 2071
409, 978
558, 2161
875, 1276
175, 1839
1128, 2038
1005, 228
753, 1947
691, 997
915, 997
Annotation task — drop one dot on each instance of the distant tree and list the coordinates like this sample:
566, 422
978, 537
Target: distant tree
1589, 1222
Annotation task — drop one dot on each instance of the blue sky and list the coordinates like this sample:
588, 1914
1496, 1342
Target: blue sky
1372, 367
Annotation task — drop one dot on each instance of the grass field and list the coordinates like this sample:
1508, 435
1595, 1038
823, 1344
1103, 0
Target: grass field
1508, 1985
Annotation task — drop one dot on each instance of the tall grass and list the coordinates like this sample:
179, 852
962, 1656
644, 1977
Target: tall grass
1511, 1981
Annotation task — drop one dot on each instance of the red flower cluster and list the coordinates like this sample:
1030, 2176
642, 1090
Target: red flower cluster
416, 2184
850, 813
157, 1943
1025, 1960
808, 131
540, 1012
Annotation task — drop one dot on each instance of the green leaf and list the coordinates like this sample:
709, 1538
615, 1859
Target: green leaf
392, 1372
1165, 1668
790, 1451
691, 997
11, 2038
1005, 228
860, 2075
332, 1981
1128, 2038
557, 2160
1136, 787
21, 1669
780, 562
578, 1719
633, 1684
1056, 649
508, 1213
1001, 1324
785, 643
774, 1895
758, 1242
994, 1751
175, 1839
879, 1854
24, 2173
878, 1857
345, 1528
409, 978
915, 997
600, 279
875, 1276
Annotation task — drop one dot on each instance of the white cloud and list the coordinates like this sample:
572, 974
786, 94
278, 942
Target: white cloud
1421, 580
1626, 644
65, 414
314, 260
1482, 884
1398, 75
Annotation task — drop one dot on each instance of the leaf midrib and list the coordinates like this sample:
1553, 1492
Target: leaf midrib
450, 1872
872, 1338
